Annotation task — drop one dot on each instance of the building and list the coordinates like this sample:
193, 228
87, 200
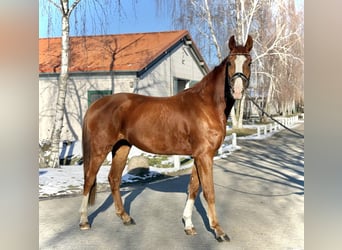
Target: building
157, 64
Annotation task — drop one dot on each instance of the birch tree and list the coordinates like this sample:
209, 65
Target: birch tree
244, 20
66, 8
273, 27
280, 54
207, 21
65, 11
214, 21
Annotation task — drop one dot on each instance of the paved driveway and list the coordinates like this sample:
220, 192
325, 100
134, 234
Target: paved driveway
259, 201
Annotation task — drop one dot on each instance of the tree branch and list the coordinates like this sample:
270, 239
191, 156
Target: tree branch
249, 22
56, 5
212, 32
73, 6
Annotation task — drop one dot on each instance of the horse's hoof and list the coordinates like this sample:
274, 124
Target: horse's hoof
190, 231
84, 226
129, 222
223, 238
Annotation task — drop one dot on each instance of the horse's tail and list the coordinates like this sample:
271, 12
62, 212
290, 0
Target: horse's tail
86, 147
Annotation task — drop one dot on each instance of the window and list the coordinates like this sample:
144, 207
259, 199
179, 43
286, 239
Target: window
93, 95
179, 85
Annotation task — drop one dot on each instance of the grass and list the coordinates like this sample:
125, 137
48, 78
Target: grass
159, 161
73, 187
162, 161
242, 131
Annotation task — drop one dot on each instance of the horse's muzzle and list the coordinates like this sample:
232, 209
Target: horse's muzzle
239, 83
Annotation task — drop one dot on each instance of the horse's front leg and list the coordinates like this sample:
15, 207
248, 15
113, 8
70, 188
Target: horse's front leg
192, 193
204, 164
84, 224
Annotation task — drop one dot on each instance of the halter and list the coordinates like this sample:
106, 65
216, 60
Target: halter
237, 74
228, 80
241, 75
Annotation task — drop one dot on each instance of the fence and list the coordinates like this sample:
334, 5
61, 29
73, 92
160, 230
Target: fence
272, 127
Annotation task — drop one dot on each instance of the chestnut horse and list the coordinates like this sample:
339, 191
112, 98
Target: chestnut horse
193, 122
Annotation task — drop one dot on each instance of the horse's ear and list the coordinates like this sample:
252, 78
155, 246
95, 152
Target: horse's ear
231, 43
249, 43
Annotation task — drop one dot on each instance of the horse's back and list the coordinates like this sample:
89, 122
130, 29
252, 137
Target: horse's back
131, 107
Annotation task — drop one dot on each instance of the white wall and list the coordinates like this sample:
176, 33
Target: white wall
159, 80
76, 101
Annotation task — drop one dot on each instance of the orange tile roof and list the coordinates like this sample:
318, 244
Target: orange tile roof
127, 52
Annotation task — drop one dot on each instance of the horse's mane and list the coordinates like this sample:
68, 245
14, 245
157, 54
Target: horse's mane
217, 71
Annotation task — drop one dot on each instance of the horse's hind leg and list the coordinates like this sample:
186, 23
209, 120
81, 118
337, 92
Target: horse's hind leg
91, 169
120, 153
192, 193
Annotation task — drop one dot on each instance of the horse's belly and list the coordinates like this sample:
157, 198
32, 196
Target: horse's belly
161, 142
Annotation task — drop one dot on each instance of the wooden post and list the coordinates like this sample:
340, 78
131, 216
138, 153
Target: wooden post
234, 140
176, 162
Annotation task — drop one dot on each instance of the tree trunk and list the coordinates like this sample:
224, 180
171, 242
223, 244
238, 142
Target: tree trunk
238, 113
268, 100
241, 110
240, 7
233, 116
62, 89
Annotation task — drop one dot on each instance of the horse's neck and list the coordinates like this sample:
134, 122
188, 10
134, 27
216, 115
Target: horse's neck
216, 88
229, 104
223, 98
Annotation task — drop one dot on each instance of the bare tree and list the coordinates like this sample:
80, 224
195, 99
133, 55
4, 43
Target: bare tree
65, 9
214, 21
244, 18
280, 56
207, 21
276, 28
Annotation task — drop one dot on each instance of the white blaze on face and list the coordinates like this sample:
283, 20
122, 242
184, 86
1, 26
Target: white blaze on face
238, 83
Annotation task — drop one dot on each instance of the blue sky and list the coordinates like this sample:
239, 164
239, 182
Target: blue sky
141, 18
137, 16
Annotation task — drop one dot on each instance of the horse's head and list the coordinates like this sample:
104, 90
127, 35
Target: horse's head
238, 63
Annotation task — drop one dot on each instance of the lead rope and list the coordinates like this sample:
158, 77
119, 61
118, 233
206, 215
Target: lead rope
291, 130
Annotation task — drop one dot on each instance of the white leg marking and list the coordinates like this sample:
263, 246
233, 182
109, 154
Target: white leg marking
187, 214
84, 209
